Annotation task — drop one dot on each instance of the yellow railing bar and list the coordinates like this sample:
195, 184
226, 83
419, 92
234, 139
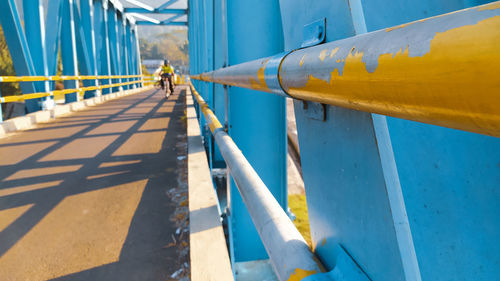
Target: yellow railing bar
62, 92
63, 78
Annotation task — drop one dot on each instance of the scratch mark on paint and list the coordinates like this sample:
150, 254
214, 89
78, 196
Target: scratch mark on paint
301, 62
323, 54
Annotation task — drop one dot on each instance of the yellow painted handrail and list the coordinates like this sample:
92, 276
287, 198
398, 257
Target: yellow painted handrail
63, 92
63, 78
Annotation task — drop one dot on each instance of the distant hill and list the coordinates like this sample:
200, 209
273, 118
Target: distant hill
171, 45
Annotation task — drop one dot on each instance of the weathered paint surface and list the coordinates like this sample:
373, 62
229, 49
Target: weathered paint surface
441, 70
410, 77
298, 274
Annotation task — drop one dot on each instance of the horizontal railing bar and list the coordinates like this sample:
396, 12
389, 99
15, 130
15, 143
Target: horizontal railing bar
63, 78
442, 70
63, 92
289, 253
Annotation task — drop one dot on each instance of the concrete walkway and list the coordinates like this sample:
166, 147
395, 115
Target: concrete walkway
95, 195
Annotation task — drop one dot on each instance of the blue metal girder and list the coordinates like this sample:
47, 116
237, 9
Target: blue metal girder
34, 25
52, 33
114, 47
102, 42
220, 46
87, 25
121, 21
18, 47
68, 49
155, 11
174, 23
167, 4
257, 122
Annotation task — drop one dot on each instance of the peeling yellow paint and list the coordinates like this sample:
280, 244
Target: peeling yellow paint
441, 87
334, 51
261, 74
299, 274
301, 62
492, 6
323, 54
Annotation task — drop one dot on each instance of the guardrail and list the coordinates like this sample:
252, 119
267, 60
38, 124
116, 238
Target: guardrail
441, 70
67, 91
289, 253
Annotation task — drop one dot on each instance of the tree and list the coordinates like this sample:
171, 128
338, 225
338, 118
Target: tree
7, 69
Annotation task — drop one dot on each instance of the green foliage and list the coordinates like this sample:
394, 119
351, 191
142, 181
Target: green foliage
171, 45
298, 205
145, 70
7, 69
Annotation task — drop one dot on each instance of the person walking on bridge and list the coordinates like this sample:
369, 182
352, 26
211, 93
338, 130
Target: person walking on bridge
167, 72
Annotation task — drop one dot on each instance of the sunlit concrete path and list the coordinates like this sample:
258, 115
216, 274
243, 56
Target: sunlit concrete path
95, 195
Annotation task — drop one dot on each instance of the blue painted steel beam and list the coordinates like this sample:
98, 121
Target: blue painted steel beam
171, 19
87, 24
114, 47
175, 23
34, 25
68, 49
102, 42
155, 11
18, 47
123, 41
167, 4
257, 122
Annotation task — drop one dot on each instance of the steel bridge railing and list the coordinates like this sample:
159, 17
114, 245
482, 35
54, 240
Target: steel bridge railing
290, 255
80, 91
441, 70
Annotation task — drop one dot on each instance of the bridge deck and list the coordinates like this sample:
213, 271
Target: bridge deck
95, 195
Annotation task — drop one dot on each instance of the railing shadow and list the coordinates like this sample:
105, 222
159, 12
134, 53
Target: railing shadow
111, 160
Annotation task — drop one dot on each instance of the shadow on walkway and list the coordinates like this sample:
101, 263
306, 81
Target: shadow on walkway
89, 196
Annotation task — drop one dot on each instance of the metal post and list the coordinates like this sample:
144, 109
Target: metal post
18, 47
87, 22
137, 52
34, 25
121, 32
105, 59
264, 144
68, 49
113, 44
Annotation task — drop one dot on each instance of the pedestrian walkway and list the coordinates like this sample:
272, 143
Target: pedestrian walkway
98, 194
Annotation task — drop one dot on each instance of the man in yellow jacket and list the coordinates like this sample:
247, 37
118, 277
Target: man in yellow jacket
167, 72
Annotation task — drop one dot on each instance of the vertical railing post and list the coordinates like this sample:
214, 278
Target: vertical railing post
125, 50
87, 22
114, 48
137, 54
18, 47
34, 25
257, 122
68, 49
105, 62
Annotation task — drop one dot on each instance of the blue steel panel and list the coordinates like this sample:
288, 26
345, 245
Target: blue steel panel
68, 49
18, 47
450, 181
87, 25
364, 172
122, 37
219, 61
257, 122
102, 42
346, 193
52, 33
34, 25
114, 48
